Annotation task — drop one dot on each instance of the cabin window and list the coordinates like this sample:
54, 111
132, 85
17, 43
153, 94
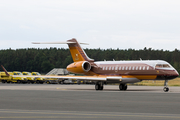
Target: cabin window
144, 68
119, 68
132, 68
122, 68
126, 68
112, 68
109, 68
136, 68
129, 68
139, 68
116, 68
148, 68
106, 68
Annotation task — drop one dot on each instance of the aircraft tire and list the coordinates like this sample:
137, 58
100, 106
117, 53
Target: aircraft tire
97, 87
101, 88
123, 87
166, 89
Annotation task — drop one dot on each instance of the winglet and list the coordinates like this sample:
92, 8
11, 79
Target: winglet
5, 70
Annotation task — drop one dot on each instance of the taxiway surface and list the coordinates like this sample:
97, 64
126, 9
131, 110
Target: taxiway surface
32, 101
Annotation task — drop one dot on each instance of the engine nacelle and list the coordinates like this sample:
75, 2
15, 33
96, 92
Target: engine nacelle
79, 67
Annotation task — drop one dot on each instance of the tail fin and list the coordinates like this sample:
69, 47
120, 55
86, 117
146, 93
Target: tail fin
5, 70
77, 52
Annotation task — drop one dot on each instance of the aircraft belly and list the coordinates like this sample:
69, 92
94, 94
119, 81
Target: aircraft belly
124, 80
145, 77
130, 80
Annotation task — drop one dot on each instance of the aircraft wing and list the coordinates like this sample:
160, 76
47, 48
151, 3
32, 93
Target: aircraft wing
92, 78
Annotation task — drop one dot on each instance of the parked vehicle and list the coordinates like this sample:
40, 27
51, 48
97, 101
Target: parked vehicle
18, 79
4, 78
38, 80
9, 79
29, 79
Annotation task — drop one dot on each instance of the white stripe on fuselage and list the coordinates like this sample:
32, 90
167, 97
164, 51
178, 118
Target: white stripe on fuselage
151, 63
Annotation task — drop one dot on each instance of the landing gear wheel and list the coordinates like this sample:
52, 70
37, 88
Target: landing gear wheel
99, 87
123, 87
166, 89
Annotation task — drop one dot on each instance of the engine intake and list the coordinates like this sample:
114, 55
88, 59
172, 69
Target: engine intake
79, 67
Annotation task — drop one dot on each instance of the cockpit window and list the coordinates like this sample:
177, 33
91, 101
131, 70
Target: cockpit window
162, 66
166, 66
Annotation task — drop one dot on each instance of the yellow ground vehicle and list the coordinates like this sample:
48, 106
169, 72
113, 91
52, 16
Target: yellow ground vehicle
29, 79
38, 79
4, 78
9, 79
19, 79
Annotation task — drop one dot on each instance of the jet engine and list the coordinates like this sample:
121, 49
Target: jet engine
79, 67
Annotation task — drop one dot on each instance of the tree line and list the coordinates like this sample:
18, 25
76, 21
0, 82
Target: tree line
43, 60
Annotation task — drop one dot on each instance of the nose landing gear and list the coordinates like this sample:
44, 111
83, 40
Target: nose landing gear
166, 89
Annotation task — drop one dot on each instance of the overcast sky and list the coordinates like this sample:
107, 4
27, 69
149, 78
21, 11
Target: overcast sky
103, 24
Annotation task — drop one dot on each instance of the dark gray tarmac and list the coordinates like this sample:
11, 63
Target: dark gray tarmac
27, 101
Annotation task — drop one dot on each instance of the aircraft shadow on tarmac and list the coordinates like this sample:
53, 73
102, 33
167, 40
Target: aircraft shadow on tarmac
135, 90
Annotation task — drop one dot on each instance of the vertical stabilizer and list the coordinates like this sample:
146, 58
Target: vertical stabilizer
77, 52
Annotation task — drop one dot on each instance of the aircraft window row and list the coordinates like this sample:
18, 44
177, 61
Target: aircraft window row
127, 68
162, 66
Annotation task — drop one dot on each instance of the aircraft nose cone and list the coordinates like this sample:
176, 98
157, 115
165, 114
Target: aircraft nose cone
173, 75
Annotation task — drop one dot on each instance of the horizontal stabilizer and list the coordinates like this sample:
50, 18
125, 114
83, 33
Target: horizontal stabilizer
52, 42
57, 43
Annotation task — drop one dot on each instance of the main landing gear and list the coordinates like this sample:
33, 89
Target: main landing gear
123, 87
99, 86
166, 89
